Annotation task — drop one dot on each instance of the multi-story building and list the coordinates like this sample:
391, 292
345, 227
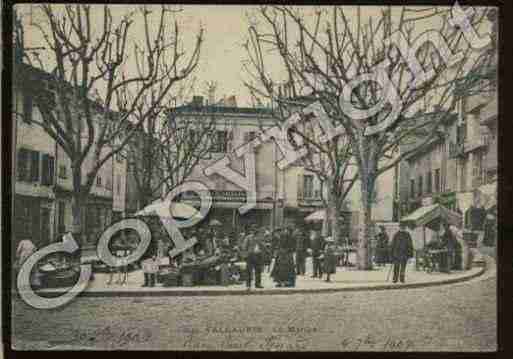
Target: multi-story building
450, 168
43, 187
282, 196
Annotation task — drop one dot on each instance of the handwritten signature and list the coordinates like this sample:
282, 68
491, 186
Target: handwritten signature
271, 342
130, 335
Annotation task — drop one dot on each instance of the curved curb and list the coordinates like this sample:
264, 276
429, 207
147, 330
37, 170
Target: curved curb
209, 292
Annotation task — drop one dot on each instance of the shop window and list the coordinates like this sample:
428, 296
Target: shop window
99, 181
429, 184
412, 188
420, 186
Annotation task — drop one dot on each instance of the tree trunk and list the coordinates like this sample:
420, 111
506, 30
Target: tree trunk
77, 203
365, 234
332, 221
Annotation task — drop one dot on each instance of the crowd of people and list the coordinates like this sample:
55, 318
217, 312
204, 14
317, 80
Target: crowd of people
282, 252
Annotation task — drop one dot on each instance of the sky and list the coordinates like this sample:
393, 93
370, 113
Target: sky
222, 53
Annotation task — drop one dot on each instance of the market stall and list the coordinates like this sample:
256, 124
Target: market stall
431, 217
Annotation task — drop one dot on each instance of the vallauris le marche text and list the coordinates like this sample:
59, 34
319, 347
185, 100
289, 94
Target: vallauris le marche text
254, 177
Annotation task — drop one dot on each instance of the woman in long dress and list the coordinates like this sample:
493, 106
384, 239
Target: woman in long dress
284, 271
330, 260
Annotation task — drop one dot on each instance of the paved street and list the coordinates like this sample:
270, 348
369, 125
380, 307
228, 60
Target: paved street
458, 317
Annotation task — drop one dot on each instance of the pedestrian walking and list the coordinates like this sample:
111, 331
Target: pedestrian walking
317, 246
300, 252
253, 250
284, 271
330, 260
401, 250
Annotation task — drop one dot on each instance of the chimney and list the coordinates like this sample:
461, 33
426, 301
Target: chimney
197, 101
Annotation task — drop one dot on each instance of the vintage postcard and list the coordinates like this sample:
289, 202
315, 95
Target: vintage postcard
254, 178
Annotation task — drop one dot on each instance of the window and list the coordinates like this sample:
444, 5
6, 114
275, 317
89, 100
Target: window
28, 165
420, 186
429, 183
477, 169
99, 181
308, 186
220, 143
62, 172
412, 188
437, 180
23, 164
27, 108
34, 166
47, 172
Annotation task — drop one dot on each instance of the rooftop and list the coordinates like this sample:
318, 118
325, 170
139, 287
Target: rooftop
190, 109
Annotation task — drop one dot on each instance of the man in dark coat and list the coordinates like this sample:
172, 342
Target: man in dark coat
253, 249
401, 250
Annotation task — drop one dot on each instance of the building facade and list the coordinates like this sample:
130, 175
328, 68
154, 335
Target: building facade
451, 168
42, 198
283, 197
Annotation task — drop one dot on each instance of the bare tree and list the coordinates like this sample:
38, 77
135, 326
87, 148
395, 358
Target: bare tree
166, 149
92, 116
322, 53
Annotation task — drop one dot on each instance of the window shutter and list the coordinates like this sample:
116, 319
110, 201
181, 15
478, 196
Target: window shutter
48, 170
34, 166
22, 164
45, 170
